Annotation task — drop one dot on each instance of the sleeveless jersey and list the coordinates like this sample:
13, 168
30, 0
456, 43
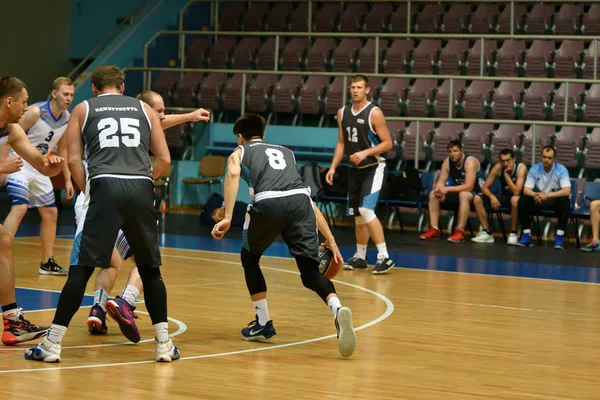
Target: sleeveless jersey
359, 134
47, 131
513, 178
457, 174
116, 133
270, 171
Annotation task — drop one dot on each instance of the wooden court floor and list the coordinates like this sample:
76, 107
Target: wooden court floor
423, 335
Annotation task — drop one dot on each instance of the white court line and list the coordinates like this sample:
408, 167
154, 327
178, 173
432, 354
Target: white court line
403, 268
389, 310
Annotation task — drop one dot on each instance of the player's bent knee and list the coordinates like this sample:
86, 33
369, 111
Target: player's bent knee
465, 196
367, 214
49, 212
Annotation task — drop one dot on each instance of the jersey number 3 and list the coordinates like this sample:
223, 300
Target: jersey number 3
109, 127
276, 160
352, 134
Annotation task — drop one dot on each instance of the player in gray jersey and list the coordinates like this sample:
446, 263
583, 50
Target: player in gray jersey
13, 103
363, 137
44, 122
118, 132
281, 206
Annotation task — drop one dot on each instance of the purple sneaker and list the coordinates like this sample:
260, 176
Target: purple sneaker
122, 312
96, 321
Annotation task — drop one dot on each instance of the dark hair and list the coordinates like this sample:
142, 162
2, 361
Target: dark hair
549, 148
148, 96
507, 152
455, 143
250, 126
11, 86
359, 77
107, 76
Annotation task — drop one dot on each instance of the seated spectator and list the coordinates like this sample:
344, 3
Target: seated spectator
512, 178
594, 244
460, 179
547, 187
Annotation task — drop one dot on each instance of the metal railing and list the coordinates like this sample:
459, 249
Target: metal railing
127, 20
378, 37
418, 120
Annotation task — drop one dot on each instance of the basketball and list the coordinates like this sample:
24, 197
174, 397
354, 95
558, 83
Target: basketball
218, 214
327, 265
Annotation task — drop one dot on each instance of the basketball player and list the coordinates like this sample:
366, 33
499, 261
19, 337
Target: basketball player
118, 132
44, 123
13, 103
122, 307
364, 137
281, 205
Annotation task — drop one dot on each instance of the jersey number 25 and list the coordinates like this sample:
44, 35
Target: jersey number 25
108, 127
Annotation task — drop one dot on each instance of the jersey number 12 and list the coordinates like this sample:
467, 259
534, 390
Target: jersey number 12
352, 134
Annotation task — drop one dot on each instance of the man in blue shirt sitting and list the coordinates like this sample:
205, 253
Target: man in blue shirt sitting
547, 187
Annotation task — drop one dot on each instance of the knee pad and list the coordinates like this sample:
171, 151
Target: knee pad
367, 214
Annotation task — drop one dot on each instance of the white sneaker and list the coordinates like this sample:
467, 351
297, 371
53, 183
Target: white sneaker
166, 351
346, 335
45, 351
483, 237
512, 239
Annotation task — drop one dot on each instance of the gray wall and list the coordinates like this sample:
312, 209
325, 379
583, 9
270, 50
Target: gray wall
38, 48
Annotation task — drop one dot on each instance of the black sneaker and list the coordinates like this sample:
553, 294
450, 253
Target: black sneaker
383, 266
355, 263
17, 329
256, 331
50, 267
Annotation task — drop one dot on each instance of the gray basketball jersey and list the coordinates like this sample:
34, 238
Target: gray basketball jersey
269, 168
359, 134
116, 133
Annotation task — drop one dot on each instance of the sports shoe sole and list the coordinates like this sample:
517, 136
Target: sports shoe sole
95, 326
456, 241
382, 271
559, 247
523, 245
129, 330
44, 272
257, 337
351, 268
482, 241
168, 358
590, 250
10, 338
347, 337
35, 354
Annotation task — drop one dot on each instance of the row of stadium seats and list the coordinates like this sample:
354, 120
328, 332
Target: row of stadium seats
530, 18
538, 58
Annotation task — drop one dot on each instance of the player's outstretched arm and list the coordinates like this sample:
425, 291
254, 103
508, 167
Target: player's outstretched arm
17, 139
232, 184
200, 115
158, 144
75, 145
323, 227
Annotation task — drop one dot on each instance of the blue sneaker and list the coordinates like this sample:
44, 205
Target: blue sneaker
255, 331
525, 241
559, 243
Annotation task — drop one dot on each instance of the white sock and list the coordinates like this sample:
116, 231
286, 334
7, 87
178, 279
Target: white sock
526, 231
382, 251
560, 232
361, 250
56, 333
334, 305
262, 311
100, 297
11, 314
435, 227
161, 331
130, 294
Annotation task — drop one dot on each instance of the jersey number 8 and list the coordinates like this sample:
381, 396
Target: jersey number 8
276, 160
109, 127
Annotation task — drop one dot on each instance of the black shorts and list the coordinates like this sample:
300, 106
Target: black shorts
292, 217
125, 204
365, 187
451, 201
504, 200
